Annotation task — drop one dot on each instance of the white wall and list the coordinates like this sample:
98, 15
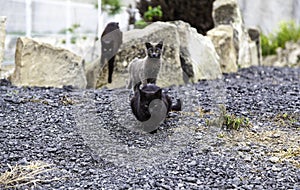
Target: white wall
49, 16
267, 14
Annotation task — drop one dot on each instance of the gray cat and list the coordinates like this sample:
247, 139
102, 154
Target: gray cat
144, 71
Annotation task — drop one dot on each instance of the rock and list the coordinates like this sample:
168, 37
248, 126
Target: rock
95, 74
269, 60
294, 57
134, 46
199, 59
274, 159
226, 12
254, 34
2, 37
192, 163
40, 64
188, 56
288, 56
222, 36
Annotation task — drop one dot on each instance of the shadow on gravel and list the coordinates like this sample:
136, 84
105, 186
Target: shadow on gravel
108, 127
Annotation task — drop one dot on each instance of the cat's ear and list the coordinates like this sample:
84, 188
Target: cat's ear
160, 44
148, 45
158, 93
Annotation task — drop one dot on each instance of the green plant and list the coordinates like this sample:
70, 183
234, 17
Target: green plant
198, 13
112, 7
73, 27
288, 31
150, 15
153, 12
267, 46
233, 122
72, 30
228, 121
73, 40
140, 24
285, 119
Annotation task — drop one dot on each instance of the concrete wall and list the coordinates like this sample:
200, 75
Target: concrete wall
50, 16
2, 37
267, 14
47, 16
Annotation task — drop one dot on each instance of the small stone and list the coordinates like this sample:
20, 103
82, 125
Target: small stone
296, 125
276, 169
244, 149
192, 163
273, 159
275, 136
248, 158
51, 149
191, 179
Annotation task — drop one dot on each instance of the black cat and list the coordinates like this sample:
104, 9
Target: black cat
111, 40
151, 106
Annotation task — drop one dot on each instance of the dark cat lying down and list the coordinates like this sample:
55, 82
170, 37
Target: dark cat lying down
151, 106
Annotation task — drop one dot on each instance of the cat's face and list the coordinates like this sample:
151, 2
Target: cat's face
107, 47
151, 100
154, 51
148, 94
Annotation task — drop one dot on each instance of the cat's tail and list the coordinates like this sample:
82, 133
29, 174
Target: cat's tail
111, 63
177, 106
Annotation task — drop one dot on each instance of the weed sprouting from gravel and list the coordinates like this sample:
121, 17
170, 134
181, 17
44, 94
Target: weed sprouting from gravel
291, 154
285, 119
65, 100
228, 121
31, 174
234, 122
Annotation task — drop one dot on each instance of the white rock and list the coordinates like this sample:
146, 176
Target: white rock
223, 39
273, 159
227, 12
40, 64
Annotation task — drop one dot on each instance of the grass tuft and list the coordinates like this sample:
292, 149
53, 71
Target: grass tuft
31, 174
228, 121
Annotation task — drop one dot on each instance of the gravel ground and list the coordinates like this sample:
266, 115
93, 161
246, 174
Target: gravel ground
93, 141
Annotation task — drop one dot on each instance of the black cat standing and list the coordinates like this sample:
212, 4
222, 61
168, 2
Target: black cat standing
111, 40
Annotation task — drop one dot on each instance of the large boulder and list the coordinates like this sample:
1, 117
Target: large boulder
40, 64
223, 37
2, 37
187, 56
227, 12
199, 59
